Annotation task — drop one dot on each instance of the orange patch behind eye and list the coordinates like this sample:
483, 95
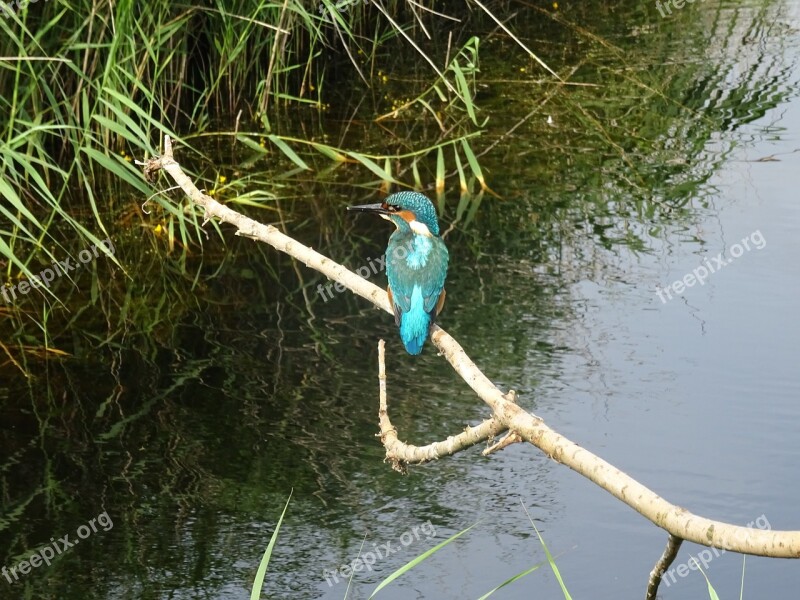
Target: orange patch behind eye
406, 215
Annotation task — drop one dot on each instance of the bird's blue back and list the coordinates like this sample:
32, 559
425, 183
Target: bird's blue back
416, 266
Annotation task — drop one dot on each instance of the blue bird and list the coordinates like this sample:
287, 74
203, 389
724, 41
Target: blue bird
416, 264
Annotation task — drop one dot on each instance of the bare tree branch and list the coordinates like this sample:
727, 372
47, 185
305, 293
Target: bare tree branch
677, 521
400, 454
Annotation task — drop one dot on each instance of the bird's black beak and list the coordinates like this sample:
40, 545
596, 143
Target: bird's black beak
379, 209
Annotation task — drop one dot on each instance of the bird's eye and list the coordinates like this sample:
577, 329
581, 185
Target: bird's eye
393, 208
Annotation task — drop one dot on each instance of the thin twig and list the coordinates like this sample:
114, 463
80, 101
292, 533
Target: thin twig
670, 552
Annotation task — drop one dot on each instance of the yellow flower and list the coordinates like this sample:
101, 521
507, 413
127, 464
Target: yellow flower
222, 179
555, 5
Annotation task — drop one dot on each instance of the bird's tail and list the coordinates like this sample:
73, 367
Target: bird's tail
414, 327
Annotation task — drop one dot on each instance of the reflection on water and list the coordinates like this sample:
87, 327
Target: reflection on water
191, 433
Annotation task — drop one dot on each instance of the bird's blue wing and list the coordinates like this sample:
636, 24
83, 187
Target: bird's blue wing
433, 284
405, 274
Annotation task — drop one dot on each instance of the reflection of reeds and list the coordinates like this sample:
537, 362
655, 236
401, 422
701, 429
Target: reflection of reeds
86, 96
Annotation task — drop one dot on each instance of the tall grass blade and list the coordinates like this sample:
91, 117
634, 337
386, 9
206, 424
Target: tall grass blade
473, 164
741, 589
461, 177
291, 154
372, 166
439, 170
466, 93
511, 580
415, 171
353, 572
551, 561
712, 593
120, 169
262, 567
329, 152
410, 565
553, 565
251, 143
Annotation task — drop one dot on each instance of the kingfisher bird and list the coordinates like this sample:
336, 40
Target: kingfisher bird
416, 264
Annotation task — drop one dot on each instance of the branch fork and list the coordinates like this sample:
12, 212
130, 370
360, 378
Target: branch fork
507, 415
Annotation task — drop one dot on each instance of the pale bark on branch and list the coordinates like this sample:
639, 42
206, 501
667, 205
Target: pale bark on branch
506, 414
400, 455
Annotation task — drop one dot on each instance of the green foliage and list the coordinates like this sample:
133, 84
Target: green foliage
412, 563
275, 101
262, 568
258, 583
511, 580
94, 85
712, 593
550, 560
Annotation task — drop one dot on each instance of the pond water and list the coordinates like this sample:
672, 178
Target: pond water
676, 155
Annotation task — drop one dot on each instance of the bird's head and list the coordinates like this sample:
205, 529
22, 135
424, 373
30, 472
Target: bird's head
407, 210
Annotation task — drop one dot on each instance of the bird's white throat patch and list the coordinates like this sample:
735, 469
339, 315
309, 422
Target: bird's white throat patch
420, 228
